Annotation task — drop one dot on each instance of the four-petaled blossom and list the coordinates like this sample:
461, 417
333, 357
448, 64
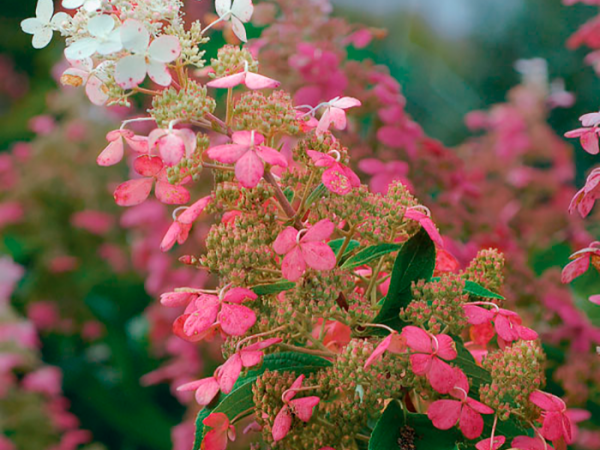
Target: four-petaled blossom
145, 59
305, 248
506, 323
105, 39
581, 262
588, 135
429, 353
221, 432
393, 343
302, 408
136, 191
44, 23
113, 153
249, 79
338, 178
557, 423
240, 12
444, 414
585, 198
82, 72
172, 145
249, 156
88, 5
224, 310
486, 444
336, 114
181, 226
424, 219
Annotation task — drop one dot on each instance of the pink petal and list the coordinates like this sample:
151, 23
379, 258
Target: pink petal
286, 241
229, 372
271, 156
321, 159
249, 169
324, 122
216, 439
478, 315
251, 358
229, 81
505, 328
417, 339
318, 255
575, 269
112, 154
261, 345
133, 192
589, 142
346, 102
138, 144
227, 154
471, 423
239, 295
170, 194
391, 136
486, 444
379, 350
192, 213
529, 443
256, 81
206, 308
479, 407
291, 392
595, 299
320, 231
527, 334
446, 347
207, 391
371, 166
175, 299
547, 402
236, 320
555, 426
171, 149
337, 181
576, 133
420, 363
441, 376
282, 424
148, 166
444, 413
338, 117
293, 265
170, 237
248, 138
303, 407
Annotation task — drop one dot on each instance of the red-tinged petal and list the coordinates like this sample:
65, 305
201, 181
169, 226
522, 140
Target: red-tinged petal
553, 427
178, 330
291, 392
318, 255
529, 443
133, 192
251, 358
320, 231
461, 384
321, 159
324, 122
229, 372
236, 320
576, 133
479, 407
228, 82
575, 269
379, 350
589, 142
171, 149
227, 154
239, 295
420, 363
486, 444
192, 213
527, 334
293, 265
207, 391
271, 156
477, 315
471, 423
248, 138
336, 181
148, 166
282, 424
338, 117
417, 339
261, 345
346, 102
138, 144
192, 385
547, 402
216, 439
446, 347
444, 413
206, 308
175, 299
441, 376
286, 241
505, 328
249, 169
303, 407
112, 154
170, 194
170, 237
256, 81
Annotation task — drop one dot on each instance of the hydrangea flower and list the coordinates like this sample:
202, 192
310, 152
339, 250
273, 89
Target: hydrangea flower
44, 23
113, 153
557, 423
506, 323
336, 114
393, 343
105, 39
529, 443
181, 226
147, 58
581, 262
585, 198
302, 408
588, 134
82, 72
305, 248
424, 219
338, 178
172, 145
249, 79
88, 5
238, 12
221, 432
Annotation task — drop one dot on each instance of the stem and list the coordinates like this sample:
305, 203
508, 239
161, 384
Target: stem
220, 123
229, 107
305, 194
318, 344
493, 431
378, 325
373, 282
242, 415
305, 350
346, 242
362, 437
266, 333
217, 167
145, 91
283, 201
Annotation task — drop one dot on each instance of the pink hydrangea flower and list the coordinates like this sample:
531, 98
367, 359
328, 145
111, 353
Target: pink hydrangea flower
556, 422
581, 262
47, 380
588, 135
529, 443
137, 190
384, 174
249, 156
336, 114
424, 219
585, 198
172, 145
506, 323
429, 351
181, 226
393, 343
305, 248
486, 444
444, 414
113, 153
302, 408
221, 432
249, 79
338, 178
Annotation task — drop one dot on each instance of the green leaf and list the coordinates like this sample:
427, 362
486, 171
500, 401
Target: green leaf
368, 254
240, 398
289, 194
415, 261
319, 192
477, 375
275, 288
388, 428
476, 289
427, 437
336, 245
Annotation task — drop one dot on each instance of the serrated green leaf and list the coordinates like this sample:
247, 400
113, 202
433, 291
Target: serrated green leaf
274, 288
240, 398
388, 428
476, 289
319, 191
415, 261
368, 254
336, 245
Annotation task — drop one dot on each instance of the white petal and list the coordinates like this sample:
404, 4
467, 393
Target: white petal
223, 7
44, 11
130, 71
72, 4
112, 44
238, 29
81, 49
165, 49
31, 25
92, 5
243, 9
60, 19
100, 26
94, 89
42, 37
134, 36
159, 73
82, 64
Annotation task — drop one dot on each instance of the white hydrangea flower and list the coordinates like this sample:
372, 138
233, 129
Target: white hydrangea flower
145, 59
104, 39
88, 5
240, 12
44, 23
82, 72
